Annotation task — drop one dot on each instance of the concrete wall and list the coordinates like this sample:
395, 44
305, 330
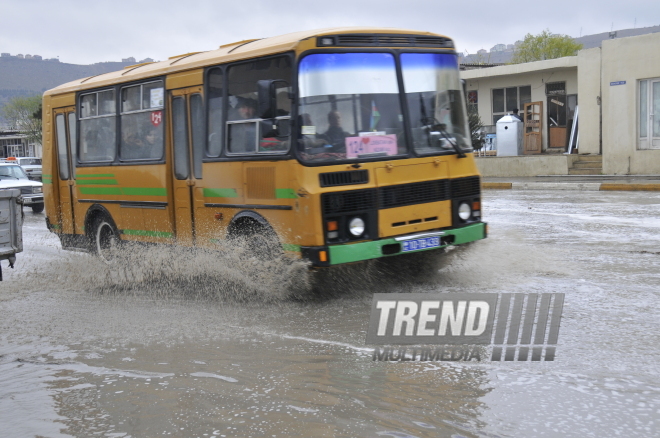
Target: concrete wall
528, 165
589, 101
534, 74
627, 59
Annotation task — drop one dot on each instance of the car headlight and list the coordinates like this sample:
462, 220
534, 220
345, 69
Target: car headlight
37, 189
356, 226
464, 211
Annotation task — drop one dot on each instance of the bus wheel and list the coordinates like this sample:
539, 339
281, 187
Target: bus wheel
37, 208
260, 241
106, 240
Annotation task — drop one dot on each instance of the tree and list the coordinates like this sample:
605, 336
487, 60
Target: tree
24, 115
476, 125
544, 46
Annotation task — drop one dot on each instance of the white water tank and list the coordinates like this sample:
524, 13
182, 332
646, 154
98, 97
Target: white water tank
509, 136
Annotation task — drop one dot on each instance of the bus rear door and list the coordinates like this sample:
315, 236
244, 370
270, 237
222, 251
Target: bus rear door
65, 132
187, 112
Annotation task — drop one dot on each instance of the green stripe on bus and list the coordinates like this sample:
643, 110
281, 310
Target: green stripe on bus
220, 193
100, 190
94, 182
290, 247
131, 191
147, 233
144, 191
46, 176
372, 250
285, 194
46, 180
95, 175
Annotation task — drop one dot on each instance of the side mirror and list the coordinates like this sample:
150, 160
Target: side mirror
267, 97
278, 128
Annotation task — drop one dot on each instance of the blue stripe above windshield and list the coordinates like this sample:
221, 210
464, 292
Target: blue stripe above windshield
429, 72
429, 60
346, 61
324, 74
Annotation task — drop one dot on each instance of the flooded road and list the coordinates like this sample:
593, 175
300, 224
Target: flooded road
173, 350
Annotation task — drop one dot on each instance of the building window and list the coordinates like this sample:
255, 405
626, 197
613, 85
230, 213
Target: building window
473, 99
649, 114
505, 100
556, 94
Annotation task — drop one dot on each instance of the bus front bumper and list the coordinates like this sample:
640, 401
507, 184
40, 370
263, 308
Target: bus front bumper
323, 256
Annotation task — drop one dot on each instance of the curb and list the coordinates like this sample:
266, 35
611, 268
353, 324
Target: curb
570, 186
631, 187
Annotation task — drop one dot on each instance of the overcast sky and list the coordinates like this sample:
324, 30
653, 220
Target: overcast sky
85, 32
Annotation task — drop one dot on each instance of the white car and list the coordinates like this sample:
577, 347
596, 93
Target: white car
12, 176
32, 166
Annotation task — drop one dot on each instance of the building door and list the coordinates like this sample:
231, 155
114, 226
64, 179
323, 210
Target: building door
65, 138
649, 114
533, 128
187, 152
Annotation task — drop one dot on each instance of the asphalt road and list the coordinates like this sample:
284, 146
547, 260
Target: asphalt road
180, 344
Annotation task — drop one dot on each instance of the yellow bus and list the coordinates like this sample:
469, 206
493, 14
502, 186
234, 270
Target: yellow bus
339, 145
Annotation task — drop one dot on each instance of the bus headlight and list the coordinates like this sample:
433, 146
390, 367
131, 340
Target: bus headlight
356, 226
464, 211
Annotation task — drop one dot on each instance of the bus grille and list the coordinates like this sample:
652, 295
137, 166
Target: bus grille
415, 193
362, 40
465, 187
400, 195
344, 178
348, 202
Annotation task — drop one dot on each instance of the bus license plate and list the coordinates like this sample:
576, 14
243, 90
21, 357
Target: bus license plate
424, 243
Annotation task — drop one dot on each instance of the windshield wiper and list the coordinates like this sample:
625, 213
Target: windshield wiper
432, 124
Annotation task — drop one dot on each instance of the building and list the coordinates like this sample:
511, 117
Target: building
614, 88
15, 144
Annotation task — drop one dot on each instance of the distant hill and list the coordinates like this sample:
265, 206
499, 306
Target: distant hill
587, 41
27, 77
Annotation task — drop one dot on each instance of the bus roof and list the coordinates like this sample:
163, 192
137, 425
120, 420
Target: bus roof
226, 53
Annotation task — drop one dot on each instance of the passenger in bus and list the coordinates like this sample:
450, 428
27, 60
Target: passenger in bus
136, 147
335, 136
310, 139
243, 135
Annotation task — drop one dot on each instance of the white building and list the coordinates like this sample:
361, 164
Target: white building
615, 88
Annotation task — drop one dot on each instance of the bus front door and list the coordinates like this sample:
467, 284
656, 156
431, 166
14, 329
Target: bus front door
65, 137
187, 110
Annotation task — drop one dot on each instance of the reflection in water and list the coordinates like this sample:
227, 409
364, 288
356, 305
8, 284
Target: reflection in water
247, 389
210, 346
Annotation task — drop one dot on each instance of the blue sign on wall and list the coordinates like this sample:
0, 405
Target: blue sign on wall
617, 83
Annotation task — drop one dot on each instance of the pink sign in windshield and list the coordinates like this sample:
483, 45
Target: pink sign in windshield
371, 144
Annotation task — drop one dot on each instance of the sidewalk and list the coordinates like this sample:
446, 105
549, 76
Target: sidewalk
576, 182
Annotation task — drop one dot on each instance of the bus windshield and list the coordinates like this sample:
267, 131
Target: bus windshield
349, 107
435, 103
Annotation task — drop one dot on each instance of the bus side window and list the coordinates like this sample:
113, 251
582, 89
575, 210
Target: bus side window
246, 134
215, 78
142, 122
97, 127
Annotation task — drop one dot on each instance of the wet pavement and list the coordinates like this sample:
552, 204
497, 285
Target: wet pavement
190, 345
